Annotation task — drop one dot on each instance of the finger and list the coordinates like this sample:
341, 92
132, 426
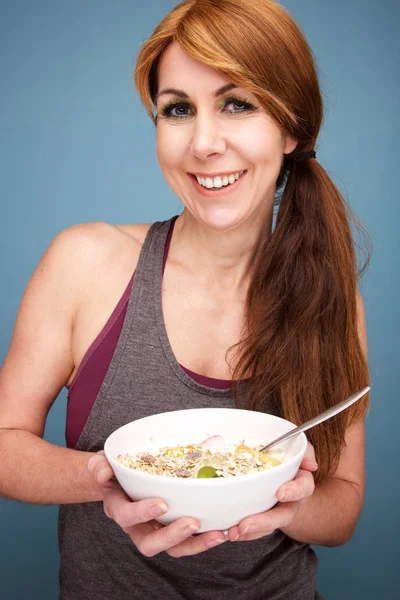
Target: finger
309, 462
99, 468
151, 543
126, 513
197, 544
257, 526
142, 529
301, 487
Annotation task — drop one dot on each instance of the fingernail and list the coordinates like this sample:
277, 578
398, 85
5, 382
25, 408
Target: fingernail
190, 529
247, 529
236, 538
281, 496
158, 509
214, 542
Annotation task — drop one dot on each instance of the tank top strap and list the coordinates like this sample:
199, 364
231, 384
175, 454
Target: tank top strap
151, 260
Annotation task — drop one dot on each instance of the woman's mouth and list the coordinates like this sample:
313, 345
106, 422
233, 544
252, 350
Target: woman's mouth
216, 192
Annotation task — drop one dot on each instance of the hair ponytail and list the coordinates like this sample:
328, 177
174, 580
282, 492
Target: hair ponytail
302, 344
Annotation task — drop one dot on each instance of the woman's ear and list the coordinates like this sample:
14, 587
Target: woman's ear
289, 145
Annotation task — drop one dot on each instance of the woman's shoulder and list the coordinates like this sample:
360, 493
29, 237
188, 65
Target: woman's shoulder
103, 235
93, 256
136, 231
86, 245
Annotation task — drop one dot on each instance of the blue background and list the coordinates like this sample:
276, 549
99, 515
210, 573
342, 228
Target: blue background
76, 145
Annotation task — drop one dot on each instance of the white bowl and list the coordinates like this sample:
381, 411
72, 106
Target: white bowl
218, 503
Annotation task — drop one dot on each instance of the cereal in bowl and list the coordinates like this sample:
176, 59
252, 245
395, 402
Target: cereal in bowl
208, 459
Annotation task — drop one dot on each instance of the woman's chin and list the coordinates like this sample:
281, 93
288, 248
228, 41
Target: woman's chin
219, 219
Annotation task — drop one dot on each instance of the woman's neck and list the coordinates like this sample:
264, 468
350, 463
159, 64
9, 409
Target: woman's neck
220, 259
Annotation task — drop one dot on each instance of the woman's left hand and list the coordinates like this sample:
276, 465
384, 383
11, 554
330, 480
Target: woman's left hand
282, 514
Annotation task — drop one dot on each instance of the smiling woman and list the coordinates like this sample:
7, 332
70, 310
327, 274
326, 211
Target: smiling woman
308, 267
232, 135
211, 308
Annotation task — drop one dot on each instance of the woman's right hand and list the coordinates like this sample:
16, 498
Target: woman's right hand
137, 518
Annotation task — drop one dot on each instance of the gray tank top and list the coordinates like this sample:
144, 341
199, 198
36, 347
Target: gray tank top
98, 560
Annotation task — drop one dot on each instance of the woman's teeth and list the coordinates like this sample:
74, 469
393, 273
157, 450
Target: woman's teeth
218, 182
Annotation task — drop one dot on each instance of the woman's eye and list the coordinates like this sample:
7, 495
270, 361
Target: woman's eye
177, 110
241, 105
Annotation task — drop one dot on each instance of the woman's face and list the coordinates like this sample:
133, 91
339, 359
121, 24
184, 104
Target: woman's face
199, 133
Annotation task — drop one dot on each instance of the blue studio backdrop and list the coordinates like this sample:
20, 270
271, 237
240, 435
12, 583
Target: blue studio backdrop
76, 145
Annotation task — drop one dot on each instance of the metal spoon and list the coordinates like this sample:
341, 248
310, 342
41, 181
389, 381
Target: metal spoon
327, 414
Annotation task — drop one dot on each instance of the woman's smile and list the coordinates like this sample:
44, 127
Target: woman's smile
205, 188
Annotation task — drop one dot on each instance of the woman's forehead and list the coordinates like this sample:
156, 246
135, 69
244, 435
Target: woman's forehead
180, 70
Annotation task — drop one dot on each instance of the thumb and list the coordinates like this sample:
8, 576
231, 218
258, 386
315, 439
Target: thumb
99, 468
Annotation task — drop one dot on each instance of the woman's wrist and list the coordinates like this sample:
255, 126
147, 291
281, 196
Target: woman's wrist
328, 517
36, 471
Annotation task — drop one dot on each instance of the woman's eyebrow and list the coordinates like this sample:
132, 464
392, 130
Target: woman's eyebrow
182, 94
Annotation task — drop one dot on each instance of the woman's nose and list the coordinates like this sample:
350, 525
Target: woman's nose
207, 138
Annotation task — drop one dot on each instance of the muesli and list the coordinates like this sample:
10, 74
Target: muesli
211, 458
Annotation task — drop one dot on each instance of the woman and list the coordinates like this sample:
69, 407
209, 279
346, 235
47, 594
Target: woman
217, 307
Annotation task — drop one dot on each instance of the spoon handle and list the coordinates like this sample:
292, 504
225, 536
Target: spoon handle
327, 414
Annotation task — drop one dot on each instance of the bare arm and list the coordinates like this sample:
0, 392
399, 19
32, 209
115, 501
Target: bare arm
37, 366
330, 515
33, 470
